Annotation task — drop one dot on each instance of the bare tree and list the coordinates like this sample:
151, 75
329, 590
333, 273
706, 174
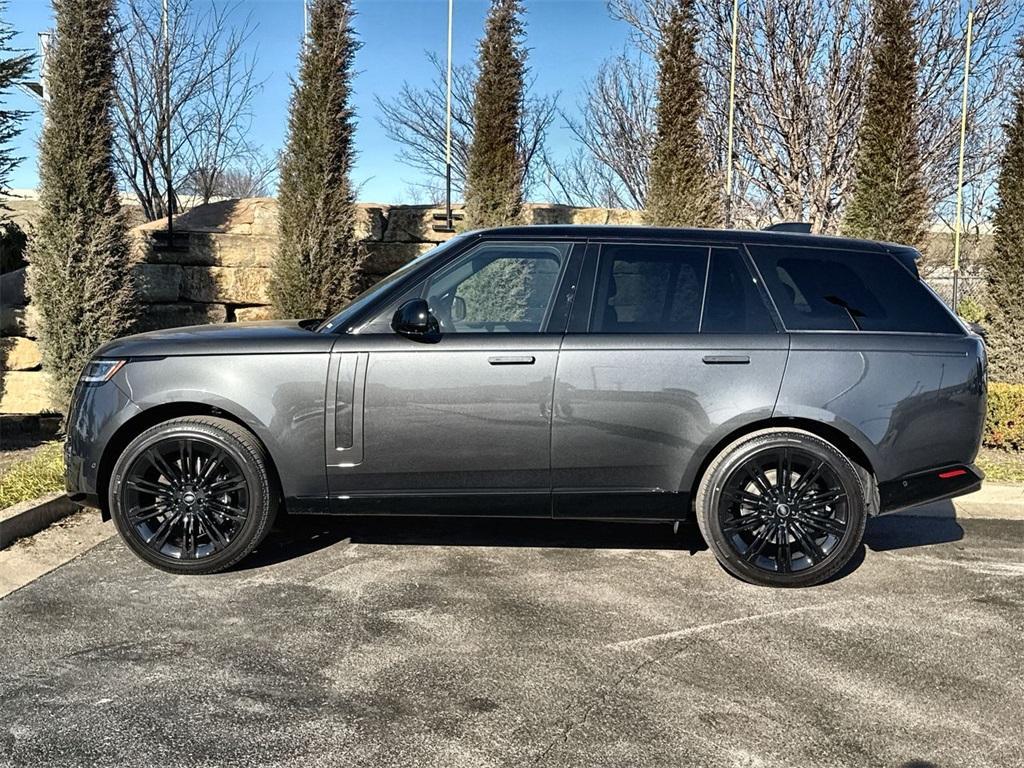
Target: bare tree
800, 98
415, 119
251, 175
210, 111
615, 129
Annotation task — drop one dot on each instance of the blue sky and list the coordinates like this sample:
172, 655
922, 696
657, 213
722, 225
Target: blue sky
567, 39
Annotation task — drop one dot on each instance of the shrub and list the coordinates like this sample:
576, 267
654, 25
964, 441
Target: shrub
12, 246
318, 262
80, 277
971, 310
1004, 422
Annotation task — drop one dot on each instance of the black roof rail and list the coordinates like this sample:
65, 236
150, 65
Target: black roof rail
796, 227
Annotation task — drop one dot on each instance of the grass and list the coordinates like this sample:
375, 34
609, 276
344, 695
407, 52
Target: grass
39, 474
1002, 466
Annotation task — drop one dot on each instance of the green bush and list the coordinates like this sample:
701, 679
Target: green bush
971, 310
1004, 423
12, 246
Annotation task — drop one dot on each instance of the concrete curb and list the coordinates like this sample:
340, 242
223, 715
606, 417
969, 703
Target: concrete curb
30, 517
994, 501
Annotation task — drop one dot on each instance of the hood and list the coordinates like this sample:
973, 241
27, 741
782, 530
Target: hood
271, 337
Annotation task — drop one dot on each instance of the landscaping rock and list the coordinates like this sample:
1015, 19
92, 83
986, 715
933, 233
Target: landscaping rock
414, 223
12, 288
233, 285
158, 316
159, 282
385, 257
20, 354
232, 250
19, 321
25, 392
251, 314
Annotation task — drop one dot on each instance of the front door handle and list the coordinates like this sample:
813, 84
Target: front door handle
511, 360
726, 359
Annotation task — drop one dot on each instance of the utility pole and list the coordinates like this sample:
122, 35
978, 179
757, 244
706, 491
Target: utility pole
958, 225
448, 130
167, 125
732, 112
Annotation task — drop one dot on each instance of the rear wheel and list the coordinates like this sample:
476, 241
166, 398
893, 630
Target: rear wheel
782, 508
192, 495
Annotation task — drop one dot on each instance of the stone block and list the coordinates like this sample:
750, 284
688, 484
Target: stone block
229, 250
370, 221
230, 285
253, 314
19, 321
385, 257
158, 316
12, 288
26, 392
159, 282
18, 354
414, 223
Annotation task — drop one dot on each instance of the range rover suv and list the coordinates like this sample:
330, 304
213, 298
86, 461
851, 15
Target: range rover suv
780, 388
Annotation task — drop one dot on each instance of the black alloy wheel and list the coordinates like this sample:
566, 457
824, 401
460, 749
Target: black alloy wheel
192, 495
784, 508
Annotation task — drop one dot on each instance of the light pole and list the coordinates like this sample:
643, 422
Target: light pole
958, 224
732, 112
167, 125
448, 130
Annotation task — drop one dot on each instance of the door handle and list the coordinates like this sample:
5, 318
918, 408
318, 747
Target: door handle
726, 359
511, 360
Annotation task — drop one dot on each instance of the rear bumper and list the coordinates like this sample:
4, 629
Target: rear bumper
930, 485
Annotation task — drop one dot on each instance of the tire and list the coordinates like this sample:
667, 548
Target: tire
791, 524
193, 495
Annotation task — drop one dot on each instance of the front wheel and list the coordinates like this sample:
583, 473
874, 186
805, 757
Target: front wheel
782, 507
192, 495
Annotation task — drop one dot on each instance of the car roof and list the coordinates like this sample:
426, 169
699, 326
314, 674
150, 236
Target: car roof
654, 234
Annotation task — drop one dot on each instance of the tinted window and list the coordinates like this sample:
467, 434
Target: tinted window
733, 303
497, 288
649, 289
825, 289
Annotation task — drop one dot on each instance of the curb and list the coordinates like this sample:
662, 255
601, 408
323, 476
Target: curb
994, 501
29, 517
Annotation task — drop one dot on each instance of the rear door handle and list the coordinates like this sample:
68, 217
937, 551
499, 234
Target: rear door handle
726, 359
511, 360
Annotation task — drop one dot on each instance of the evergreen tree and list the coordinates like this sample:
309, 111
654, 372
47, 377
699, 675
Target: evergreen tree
494, 193
14, 66
889, 201
318, 263
1006, 269
80, 264
682, 191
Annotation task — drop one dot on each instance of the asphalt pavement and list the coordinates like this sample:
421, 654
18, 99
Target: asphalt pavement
445, 642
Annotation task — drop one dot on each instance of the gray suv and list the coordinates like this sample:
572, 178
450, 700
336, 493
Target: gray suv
780, 388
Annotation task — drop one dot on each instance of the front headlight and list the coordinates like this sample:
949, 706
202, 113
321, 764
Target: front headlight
100, 370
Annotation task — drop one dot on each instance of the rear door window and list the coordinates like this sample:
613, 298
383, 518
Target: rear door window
649, 289
824, 289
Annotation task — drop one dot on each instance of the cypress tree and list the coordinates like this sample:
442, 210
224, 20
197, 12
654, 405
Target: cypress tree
1006, 269
682, 191
318, 262
14, 66
494, 191
80, 264
889, 201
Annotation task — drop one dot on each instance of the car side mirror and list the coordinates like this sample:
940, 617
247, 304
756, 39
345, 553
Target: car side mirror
413, 319
458, 309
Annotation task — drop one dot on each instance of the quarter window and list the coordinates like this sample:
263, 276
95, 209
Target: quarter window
844, 290
733, 303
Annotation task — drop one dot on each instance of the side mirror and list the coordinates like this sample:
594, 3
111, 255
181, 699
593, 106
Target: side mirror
458, 309
413, 319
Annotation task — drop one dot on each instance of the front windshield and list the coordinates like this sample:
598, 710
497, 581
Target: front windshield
354, 307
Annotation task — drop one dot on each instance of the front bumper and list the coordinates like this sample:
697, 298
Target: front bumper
945, 482
97, 412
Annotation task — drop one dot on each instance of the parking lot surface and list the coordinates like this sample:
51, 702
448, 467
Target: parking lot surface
401, 642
